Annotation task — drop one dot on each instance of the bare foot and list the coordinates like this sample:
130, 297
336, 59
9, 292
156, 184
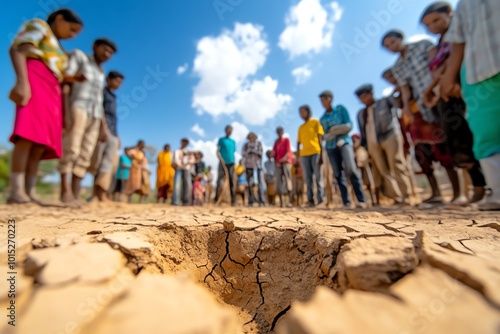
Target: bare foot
462, 200
434, 200
18, 199
67, 197
479, 193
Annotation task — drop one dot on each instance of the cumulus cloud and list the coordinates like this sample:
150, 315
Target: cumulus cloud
240, 132
309, 27
182, 69
388, 91
209, 149
198, 130
301, 74
225, 65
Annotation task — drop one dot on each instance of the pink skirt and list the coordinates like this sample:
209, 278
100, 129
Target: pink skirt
41, 120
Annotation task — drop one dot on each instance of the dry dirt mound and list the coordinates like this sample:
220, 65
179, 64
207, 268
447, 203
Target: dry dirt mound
156, 269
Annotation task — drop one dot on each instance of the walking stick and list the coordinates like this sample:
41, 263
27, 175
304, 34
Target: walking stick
226, 184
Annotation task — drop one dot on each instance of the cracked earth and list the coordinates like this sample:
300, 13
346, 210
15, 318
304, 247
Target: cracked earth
117, 268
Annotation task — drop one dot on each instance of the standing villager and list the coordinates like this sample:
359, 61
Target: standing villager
84, 122
413, 76
381, 134
283, 158
475, 54
226, 149
40, 63
310, 153
437, 18
337, 124
182, 181
137, 156
105, 154
252, 159
165, 173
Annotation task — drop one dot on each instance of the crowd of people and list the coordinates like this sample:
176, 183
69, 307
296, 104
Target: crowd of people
444, 109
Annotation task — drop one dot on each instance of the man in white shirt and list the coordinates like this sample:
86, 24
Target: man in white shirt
182, 179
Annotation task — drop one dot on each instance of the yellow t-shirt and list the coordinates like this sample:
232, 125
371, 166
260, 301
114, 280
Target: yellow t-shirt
45, 46
308, 137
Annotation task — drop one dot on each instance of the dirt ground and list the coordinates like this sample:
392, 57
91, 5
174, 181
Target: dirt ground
119, 268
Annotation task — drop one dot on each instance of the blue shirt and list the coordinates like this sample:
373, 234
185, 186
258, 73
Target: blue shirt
123, 172
227, 149
109, 103
339, 115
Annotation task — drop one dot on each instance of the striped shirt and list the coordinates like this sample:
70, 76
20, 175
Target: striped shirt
413, 70
252, 154
87, 95
477, 24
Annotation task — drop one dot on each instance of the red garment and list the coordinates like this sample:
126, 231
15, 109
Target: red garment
41, 120
281, 148
423, 132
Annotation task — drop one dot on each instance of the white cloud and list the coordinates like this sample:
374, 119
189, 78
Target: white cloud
301, 74
198, 130
309, 27
387, 91
182, 69
240, 132
209, 150
225, 65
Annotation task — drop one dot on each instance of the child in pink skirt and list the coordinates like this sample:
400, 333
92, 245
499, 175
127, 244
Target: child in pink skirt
198, 191
39, 62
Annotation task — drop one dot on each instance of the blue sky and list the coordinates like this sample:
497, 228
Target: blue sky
251, 64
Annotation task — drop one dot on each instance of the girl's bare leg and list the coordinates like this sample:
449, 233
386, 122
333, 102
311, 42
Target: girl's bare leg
20, 157
35, 156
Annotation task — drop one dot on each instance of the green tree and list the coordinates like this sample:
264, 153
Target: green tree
46, 168
5, 157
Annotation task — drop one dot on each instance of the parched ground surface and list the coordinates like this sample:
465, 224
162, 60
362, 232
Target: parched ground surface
120, 268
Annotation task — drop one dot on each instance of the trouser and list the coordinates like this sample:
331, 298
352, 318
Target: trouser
459, 138
182, 186
345, 154
104, 161
250, 173
389, 158
79, 142
220, 181
284, 184
491, 170
312, 173
427, 153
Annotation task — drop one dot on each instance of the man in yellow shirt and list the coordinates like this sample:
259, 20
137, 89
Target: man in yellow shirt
310, 150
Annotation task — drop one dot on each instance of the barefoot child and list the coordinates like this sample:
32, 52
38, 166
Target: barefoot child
122, 176
39, 62
198, 191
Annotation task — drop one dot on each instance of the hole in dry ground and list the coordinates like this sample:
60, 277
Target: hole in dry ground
260, 271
